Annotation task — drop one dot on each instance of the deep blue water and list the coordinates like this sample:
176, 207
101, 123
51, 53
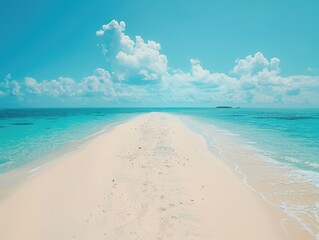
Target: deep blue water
287, 135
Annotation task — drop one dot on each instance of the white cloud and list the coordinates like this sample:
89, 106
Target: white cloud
133, 57
120, 26
145, 56
16, 88
252, 65
139, 72
32, 86
63, 86
99, 83
199, 85
99, 33
10, 87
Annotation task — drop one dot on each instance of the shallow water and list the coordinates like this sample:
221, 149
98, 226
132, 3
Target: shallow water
291, 186
28, 134
290, 136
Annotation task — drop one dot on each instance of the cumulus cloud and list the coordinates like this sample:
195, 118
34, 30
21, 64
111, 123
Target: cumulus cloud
198, 85
133, 57
63, 86
200, 75
98, 83
10, 87
252, 65
137, 71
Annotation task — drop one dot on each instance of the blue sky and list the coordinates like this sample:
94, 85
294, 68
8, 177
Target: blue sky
199, 53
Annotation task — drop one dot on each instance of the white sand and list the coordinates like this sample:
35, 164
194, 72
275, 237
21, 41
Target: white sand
149, 178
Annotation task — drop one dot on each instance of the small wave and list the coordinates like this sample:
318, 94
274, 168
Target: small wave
225, 132
6, 163
231, 134
300, 175
290, 159
311, 164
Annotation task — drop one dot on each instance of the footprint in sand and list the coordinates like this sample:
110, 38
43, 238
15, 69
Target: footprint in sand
162, 209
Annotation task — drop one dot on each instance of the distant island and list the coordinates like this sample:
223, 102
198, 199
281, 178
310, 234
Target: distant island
224, 107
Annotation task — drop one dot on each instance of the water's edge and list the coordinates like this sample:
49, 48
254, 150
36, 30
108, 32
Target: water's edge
12, 179
220, 146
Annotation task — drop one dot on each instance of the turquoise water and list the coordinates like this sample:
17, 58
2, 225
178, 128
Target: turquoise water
27, 134
290, 136
287, 136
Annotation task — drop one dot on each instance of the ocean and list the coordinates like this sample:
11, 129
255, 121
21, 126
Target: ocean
29, 134
275, 151
290, 136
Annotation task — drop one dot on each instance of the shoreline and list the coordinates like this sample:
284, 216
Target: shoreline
15, 177
141, 172
49, 131
281, 180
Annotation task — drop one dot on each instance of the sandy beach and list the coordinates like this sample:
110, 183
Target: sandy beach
149, 178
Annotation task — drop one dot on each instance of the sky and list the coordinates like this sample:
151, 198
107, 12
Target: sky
123, 53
